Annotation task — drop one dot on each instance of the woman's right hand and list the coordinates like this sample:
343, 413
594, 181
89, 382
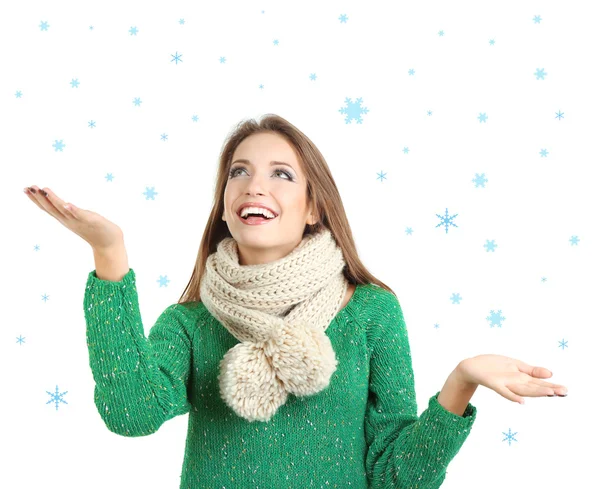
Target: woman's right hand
98, 231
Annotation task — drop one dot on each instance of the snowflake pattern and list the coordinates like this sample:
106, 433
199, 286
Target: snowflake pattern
56, 397
353, 110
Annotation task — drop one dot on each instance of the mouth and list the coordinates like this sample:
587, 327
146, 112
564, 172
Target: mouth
256, 221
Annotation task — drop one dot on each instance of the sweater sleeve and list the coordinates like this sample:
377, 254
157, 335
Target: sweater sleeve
404, 450
140, 382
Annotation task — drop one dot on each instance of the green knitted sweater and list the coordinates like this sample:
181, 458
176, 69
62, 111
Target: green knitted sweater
361, 432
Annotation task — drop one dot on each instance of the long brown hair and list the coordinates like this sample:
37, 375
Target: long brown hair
321, 192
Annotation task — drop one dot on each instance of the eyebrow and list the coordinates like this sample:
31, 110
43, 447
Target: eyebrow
243, 160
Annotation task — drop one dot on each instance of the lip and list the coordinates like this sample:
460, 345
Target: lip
255, 204
255, 223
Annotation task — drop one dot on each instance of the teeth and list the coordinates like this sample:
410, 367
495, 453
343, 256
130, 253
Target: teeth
257, 210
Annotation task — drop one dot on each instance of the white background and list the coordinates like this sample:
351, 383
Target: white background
469, 58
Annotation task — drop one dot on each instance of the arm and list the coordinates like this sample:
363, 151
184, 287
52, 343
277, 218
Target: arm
140, 382
405, 450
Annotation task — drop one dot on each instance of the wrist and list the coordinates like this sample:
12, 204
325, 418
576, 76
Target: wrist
456, 393
115, 249
460, 377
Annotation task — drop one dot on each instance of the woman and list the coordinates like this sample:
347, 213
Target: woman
292, 360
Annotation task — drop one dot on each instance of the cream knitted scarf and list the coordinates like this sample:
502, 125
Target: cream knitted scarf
279, 312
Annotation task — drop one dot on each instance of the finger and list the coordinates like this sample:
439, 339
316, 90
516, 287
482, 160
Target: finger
530, 389
32, 196
47, 204
556, 388
59, 204
539, 372
510, 395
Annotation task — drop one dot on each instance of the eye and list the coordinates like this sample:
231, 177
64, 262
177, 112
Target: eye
287, 173
232, 172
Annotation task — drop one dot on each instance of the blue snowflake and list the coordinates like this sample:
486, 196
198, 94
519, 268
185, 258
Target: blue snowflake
56, 397
490, 245
150, 193
58, 145
456, 298
479, 180
496, 318
163, 281
353, 110
540, 74
446, 220
510, 436
176, 57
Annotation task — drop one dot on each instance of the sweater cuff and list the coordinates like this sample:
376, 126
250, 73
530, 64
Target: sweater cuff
464, 421
93, 281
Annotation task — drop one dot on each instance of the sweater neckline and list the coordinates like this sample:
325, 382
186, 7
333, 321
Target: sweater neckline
349, 309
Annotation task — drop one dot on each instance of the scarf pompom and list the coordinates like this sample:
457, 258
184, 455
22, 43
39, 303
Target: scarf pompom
302, 358
248, 383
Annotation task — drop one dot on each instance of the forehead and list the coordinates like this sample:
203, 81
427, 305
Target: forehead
265, 148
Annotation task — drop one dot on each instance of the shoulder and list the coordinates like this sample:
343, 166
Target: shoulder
378, 300
187, 315
381, 312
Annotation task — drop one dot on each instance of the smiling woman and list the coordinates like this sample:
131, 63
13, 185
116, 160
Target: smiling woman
280, 324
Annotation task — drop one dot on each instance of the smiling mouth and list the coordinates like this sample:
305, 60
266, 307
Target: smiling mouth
253, 219
259, 216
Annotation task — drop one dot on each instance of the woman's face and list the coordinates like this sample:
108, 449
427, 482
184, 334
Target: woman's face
280, 187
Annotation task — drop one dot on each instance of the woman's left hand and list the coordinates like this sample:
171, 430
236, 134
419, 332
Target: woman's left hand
511, 378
